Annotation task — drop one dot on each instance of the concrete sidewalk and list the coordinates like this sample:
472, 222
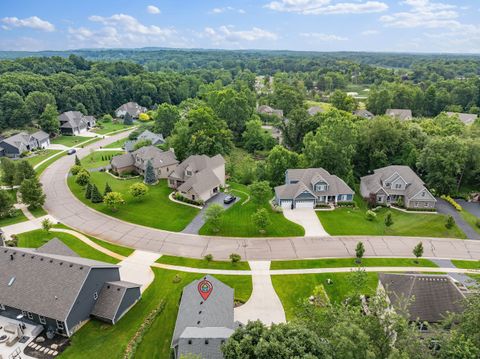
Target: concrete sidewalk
263, 304
136, 268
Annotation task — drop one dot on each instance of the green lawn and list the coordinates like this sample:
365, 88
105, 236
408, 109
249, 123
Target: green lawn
38, 212
69, 141
202, 263
44, 166
295, 289
123, 251
348, 221
37, 238
17, 218
40, 156
237, 220
470, 219
99, 340
117, 144
350, 262
98, 159
155, 210
107, 127
466, 264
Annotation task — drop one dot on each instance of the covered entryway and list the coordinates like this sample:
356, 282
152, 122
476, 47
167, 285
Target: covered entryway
304, 203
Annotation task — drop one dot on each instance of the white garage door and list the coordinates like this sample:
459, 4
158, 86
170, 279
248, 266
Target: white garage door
286, 204
303, 204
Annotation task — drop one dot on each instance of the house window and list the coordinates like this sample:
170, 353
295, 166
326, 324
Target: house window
423, 194
24, 313
189, 173
60, 325
379, 198
416, 204
398, 185
193, 197
387, 184
41, 319
95, 296
427, 204
30, 315
321, 187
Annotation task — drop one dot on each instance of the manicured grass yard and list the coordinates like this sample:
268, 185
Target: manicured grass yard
295, 289
98, 159
466, 264
40, 156
38, 212
348, 221
155, 210
237, 220
17, 218
107, 127
202, 263
470, 219
37, 238
117, 144
44, 165
350, 262
69, 141
99, 340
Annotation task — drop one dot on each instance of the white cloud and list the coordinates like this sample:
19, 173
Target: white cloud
423, 13
221, 10
370, 32
33, 22
228, 34
322, 7
121, 30
323, 37
152, 9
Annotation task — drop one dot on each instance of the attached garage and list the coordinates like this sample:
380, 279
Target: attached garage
304, 203
286, 203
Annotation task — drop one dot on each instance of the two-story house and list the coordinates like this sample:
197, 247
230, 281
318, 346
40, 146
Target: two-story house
74, 123
307, 188
22, 142
199, 177
132, 108
394, 184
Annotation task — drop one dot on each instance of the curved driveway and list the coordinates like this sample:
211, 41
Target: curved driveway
67, 209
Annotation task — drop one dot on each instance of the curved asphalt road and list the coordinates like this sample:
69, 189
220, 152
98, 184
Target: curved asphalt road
67, 209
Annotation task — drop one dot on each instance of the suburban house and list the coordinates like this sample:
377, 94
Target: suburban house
22, 142
74, 122
267, 110
314, 110
205, 319
132, 108
397, 183
466, 118
52, 286
155, 139
307, 188
400, 114
163, 162
364, 114
199, 177
430, 297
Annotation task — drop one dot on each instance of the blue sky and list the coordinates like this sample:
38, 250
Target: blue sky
319, 25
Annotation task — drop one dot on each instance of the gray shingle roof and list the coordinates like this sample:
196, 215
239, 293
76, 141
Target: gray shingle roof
194, 311
156, 139
206, 332
314, 110
466, 118
40, 136
56, 246
110, 298
200, 182
42, 283
18, 140
133, 108
401, 114
433, 295
72, 119
267, 110
122, 161
363, 113
158, 157
307, 177
197, 163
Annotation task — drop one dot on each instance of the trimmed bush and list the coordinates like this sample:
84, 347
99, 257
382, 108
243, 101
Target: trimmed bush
370, 215
452, 202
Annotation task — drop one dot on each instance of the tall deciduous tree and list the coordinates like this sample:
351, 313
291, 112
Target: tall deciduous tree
260, 191
23, 170
166, 116
8, 171
6, 204
287, 98
278, 161
49, 119
213, 215
342, 101
32, 193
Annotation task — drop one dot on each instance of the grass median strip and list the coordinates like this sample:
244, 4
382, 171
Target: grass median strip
350, 262
202, 263
466, 264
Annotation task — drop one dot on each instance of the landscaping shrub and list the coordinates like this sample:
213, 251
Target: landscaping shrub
452, 202
321, 205
450, 222
345, 204
181, 198
95, 195
370, 215
13, 242
235, 258
208, 257
421, 209
478, 223
83, 177
75, 169
88, 191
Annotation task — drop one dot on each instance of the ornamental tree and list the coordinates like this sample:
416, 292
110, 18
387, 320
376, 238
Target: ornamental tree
6, 204
261, 219
83, 177
107, 190
138, 190
88, 191
418, 251
32, 193
113, 200
359, 252
260, 191
96, 197
150, 177
213, 215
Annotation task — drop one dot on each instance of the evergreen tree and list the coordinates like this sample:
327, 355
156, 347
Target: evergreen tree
127, 119
77, 161
150, 177
107, 190
96, 196
88, 191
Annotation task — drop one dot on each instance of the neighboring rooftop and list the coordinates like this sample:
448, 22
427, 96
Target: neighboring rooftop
401, 114
466, 118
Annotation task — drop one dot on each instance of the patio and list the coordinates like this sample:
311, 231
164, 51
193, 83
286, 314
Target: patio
14, 339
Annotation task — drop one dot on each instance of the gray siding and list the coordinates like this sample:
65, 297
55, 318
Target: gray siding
131, 296
85, 301
9, 150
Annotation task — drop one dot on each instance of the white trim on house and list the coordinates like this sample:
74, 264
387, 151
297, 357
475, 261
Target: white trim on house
423, 199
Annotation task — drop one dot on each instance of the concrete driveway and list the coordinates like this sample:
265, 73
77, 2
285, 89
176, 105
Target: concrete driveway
446, 208
198, 221
307, 218
472, 207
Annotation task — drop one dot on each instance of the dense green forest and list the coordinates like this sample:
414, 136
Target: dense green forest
205, 102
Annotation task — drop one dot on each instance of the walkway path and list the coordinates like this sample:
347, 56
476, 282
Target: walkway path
460, 277
446, 208
26, 226
64, 206
307, 218
136, 268
263, 304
